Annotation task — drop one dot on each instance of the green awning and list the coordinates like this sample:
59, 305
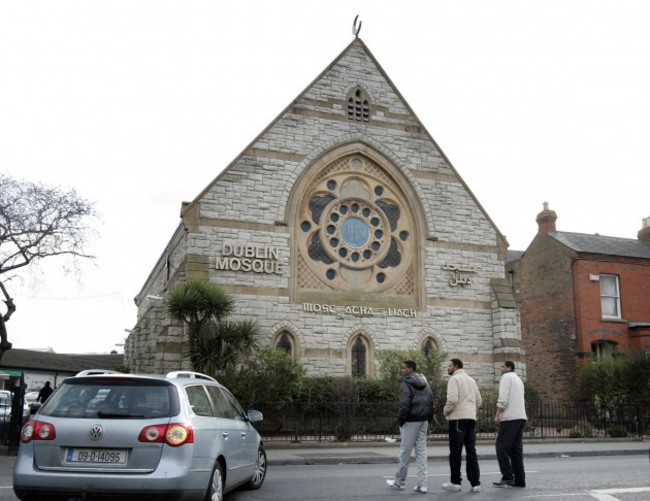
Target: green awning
11, 373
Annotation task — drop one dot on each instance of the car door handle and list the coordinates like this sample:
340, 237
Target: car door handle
225, 434
243, 434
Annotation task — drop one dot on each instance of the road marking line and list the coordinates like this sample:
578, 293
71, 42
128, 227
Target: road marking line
606, 494
622, 490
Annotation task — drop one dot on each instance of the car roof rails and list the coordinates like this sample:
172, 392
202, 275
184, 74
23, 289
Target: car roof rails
189, 374
94, 372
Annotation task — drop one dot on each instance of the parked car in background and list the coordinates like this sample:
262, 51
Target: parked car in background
6, 402
31, 404
31, 397
5, 406
179, 436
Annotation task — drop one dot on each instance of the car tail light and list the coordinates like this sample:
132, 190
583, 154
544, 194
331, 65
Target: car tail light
37, 430
173, 434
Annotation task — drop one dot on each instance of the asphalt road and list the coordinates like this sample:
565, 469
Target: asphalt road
623, 478
600, 478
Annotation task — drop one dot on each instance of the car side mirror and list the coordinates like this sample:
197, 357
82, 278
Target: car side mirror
254, 416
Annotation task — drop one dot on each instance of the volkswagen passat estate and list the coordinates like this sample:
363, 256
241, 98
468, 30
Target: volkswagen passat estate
182, 436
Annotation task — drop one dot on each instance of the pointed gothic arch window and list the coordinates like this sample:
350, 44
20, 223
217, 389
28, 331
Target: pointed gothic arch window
358, 106
284, 342
428, 346
359, 357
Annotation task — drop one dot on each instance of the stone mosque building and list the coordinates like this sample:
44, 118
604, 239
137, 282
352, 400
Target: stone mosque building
342, 230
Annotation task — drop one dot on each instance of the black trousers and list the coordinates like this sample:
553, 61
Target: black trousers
462, 433
510, 451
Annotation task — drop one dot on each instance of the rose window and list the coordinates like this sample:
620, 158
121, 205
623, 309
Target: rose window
353, 232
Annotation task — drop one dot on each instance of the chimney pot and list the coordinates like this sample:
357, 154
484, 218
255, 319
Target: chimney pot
546, 221
644, 232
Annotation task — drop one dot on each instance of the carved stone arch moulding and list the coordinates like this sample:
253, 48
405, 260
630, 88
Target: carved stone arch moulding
290, 330
360, 354
356, 229
429, 335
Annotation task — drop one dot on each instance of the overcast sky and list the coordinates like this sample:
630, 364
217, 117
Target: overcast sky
138, 105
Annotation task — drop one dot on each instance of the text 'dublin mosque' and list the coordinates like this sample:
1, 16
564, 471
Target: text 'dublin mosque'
238, 256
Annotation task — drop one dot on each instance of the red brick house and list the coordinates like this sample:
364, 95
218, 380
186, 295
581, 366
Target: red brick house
580, 297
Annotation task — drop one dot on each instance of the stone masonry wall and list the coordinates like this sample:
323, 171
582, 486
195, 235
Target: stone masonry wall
250, 202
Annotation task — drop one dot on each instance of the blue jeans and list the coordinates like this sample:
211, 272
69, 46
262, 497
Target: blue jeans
414, 435
462, 433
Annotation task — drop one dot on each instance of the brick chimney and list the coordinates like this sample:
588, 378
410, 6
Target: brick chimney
546, 221
644, 232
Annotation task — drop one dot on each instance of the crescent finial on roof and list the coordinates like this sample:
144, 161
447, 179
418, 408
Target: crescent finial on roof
356, 29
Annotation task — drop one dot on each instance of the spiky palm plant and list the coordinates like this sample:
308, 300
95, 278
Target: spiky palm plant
216, 345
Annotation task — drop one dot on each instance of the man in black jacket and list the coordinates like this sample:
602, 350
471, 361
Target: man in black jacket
415, 412
45, 392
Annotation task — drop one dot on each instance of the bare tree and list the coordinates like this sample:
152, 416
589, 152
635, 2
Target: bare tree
37, 221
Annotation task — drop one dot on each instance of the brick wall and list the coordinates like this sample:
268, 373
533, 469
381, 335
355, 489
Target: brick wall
544, 292
634, 283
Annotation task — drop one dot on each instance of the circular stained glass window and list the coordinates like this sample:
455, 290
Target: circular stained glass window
355, 232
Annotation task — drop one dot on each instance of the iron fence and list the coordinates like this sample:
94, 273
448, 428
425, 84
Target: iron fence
359, 422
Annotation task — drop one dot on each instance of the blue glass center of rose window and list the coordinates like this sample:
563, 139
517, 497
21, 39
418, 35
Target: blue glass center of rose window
354, 232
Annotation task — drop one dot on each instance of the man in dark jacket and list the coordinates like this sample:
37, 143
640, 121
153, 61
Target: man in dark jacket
45, 392
415, 412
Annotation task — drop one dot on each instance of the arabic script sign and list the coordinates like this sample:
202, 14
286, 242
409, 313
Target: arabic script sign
458, 274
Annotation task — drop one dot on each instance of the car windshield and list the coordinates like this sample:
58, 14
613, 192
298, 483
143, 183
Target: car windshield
110, 399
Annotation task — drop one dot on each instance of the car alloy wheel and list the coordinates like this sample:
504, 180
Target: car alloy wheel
260, 470
215, 491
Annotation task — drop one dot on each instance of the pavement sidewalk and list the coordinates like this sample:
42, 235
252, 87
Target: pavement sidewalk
283, 453
380, 452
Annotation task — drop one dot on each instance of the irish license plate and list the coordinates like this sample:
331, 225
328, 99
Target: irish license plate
97, 456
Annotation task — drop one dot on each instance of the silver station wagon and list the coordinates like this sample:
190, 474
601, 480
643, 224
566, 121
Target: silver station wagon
182, 436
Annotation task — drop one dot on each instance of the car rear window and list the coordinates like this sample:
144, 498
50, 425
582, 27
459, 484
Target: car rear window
111, 398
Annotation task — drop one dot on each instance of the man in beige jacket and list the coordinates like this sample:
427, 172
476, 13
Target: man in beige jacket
463, 400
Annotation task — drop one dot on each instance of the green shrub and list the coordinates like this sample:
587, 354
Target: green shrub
373, 391
531, 394
429, 365
318, 389
575, 432
618, 430
270, 376
584, 429
485, 423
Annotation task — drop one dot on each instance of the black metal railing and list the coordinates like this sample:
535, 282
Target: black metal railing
346, 421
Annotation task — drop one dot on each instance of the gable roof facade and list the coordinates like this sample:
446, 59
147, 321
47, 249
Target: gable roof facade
342, 228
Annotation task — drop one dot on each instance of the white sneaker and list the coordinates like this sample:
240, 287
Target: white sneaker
423, 490
476, 488
451, 487
393, 483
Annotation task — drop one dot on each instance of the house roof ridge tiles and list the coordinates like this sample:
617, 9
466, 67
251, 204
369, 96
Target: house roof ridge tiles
600, 244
